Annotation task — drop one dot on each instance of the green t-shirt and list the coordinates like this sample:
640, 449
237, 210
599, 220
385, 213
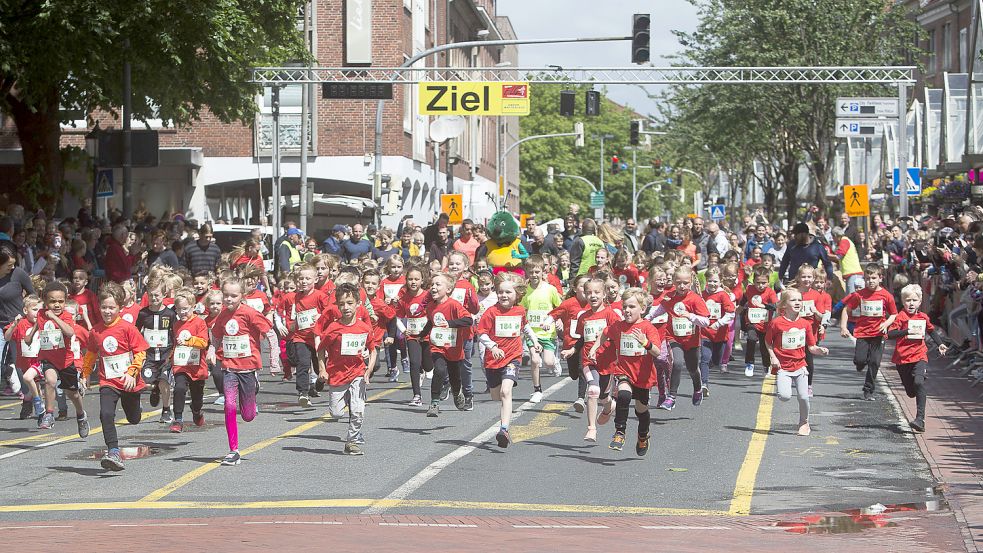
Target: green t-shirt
538, 304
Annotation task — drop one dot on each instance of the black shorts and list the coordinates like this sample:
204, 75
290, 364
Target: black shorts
68, 377
640, 395
508, 372
156, 370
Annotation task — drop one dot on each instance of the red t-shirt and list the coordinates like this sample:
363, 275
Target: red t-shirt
257, 300
390, 288
632, 360
684, 332
344, 345
590, 325
81, 340
27, 354
327, 287
757, 299
187, 359
303, 313
504, 327
789, 340
824, 304
254, 261
237, 338
911, 348
88, 305
55, 346
130, 313
448, 342
875, 307
567, 313
409, 307
662, 320
628, 277
384, 312
718, 304
466, 295
555, 282
332, 314
115, 347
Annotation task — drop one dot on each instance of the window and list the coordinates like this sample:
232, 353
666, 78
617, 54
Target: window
963, 50
290, 109
930, 52
947, 46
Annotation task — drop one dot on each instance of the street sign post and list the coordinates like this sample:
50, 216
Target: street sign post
718, 212
597, 200
866, 107
856, 200
452, 205
914, 182
473, 98
104, 184
857, 127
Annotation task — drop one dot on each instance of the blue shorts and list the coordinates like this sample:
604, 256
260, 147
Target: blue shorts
508, 372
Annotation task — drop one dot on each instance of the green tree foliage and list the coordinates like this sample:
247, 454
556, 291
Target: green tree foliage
548, 201
186, 56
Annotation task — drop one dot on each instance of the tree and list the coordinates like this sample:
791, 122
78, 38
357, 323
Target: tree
186, 57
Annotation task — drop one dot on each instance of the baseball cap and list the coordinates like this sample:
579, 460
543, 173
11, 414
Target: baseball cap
800, 227
339, 228
294, 231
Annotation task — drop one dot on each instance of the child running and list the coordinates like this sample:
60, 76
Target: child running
27, 356
448, 326
566, 315
190, 366
119, 348
810, 311
687, 312
877, 314
309, 304
539, 299
55, 330
788, 338
721, 310
411, 322
757, 306
156, 322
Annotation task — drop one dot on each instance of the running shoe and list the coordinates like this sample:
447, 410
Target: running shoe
313, 392
199, 418
303, 400
668, 404
591, 435
83, 425
724, 369
503, 438
177, 427
433, 410
917, 425
220, 400
428, 375
642, 446
393, 375
166, 417
406, 365
579, 405
557, 371
459, 400
618, 441
351, 448
603, 417
319, 386
868, 396
46, 421
62, 416
805, 430
445, 392
706, 391
697, 397
469, 403
749, 369
112, 460
536, 397
416, 401
155, 396
662, 399
26, 410
231, 459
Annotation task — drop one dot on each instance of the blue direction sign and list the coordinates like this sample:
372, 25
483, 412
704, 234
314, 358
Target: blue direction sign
717, 212
104, 184
914, 182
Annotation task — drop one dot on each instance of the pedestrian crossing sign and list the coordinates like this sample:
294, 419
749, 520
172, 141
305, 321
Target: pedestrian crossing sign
104, 184
856, 200
451, 205
717, 212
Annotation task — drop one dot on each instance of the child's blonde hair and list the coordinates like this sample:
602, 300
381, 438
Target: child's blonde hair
911, 291
787, 296
643, 298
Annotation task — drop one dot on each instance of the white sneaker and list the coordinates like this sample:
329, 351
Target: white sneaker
557, 371
14, 382
220, 400
428, 375
536, 397
749, 369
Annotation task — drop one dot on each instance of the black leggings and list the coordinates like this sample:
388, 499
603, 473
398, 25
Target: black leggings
687, 360
623, 402
218, 379
754, 338
913, 377
182, 383
576, 372
108, 398
868, 354
444, 369
306, 362
420, 361
810, 365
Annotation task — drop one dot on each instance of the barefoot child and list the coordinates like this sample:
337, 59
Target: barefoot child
190, 366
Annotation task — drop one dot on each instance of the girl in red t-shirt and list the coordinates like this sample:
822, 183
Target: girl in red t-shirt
410, 323
788, 338
448, 326
810, 311
500, 330
714, 340
213, 306
190, 366
27, 355
394, 344
756, 310
565, 315
119, 348
597, 361
730, 280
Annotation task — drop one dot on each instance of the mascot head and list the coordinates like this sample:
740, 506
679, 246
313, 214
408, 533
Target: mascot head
503, 228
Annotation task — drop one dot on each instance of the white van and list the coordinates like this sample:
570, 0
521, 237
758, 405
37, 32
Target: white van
228, 237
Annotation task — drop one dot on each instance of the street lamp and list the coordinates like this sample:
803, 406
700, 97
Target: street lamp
638, 194
92, 148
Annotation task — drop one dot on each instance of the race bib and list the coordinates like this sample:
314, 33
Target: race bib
808, 307
51, 339
537, 317
916, 329
593, 329
185, 356
757, 315
236, 347
459, 294
30, 350
629, 347
443, 337
306, 318
415, 325
508, 327
661, 319
794, 338
390, 291
255, 303
353, 344
682, 327
874, 308
715, 309
114, 366
156, 338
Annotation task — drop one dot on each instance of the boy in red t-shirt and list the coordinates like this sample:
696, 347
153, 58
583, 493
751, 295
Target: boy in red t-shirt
876, 315
190, 366
309, 305
27, 356
55, 329
88, 304
448, 327
911, 352
346, 355
384, 313
565, 315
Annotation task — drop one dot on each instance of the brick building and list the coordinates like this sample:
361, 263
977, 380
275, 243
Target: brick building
211, 170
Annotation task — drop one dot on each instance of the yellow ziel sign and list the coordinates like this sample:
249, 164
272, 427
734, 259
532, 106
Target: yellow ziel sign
473, 98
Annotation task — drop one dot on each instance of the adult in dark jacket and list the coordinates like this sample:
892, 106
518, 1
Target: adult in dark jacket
805, 250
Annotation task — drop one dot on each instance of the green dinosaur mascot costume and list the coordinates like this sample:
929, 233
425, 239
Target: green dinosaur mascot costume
505, 250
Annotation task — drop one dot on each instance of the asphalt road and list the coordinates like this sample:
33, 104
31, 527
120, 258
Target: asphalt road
736, 454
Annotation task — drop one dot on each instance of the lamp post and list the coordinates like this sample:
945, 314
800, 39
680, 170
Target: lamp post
92, 148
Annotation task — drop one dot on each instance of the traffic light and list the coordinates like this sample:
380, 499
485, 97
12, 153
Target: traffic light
657, 164
567, 100
593, 106
633, 132
615, 165
640, 38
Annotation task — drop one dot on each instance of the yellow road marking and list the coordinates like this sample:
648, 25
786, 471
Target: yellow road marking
362, 503
11, 404
31, 438
71, 437
744, 488
540, 425
186, 479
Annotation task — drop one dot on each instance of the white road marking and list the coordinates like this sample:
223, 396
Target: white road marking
686, 527
162, 524
320, 522
561, 526
31, 527
435, 525
433, 469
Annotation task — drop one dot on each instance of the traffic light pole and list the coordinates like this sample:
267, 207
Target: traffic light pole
600, 211
638, 194
903, 150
